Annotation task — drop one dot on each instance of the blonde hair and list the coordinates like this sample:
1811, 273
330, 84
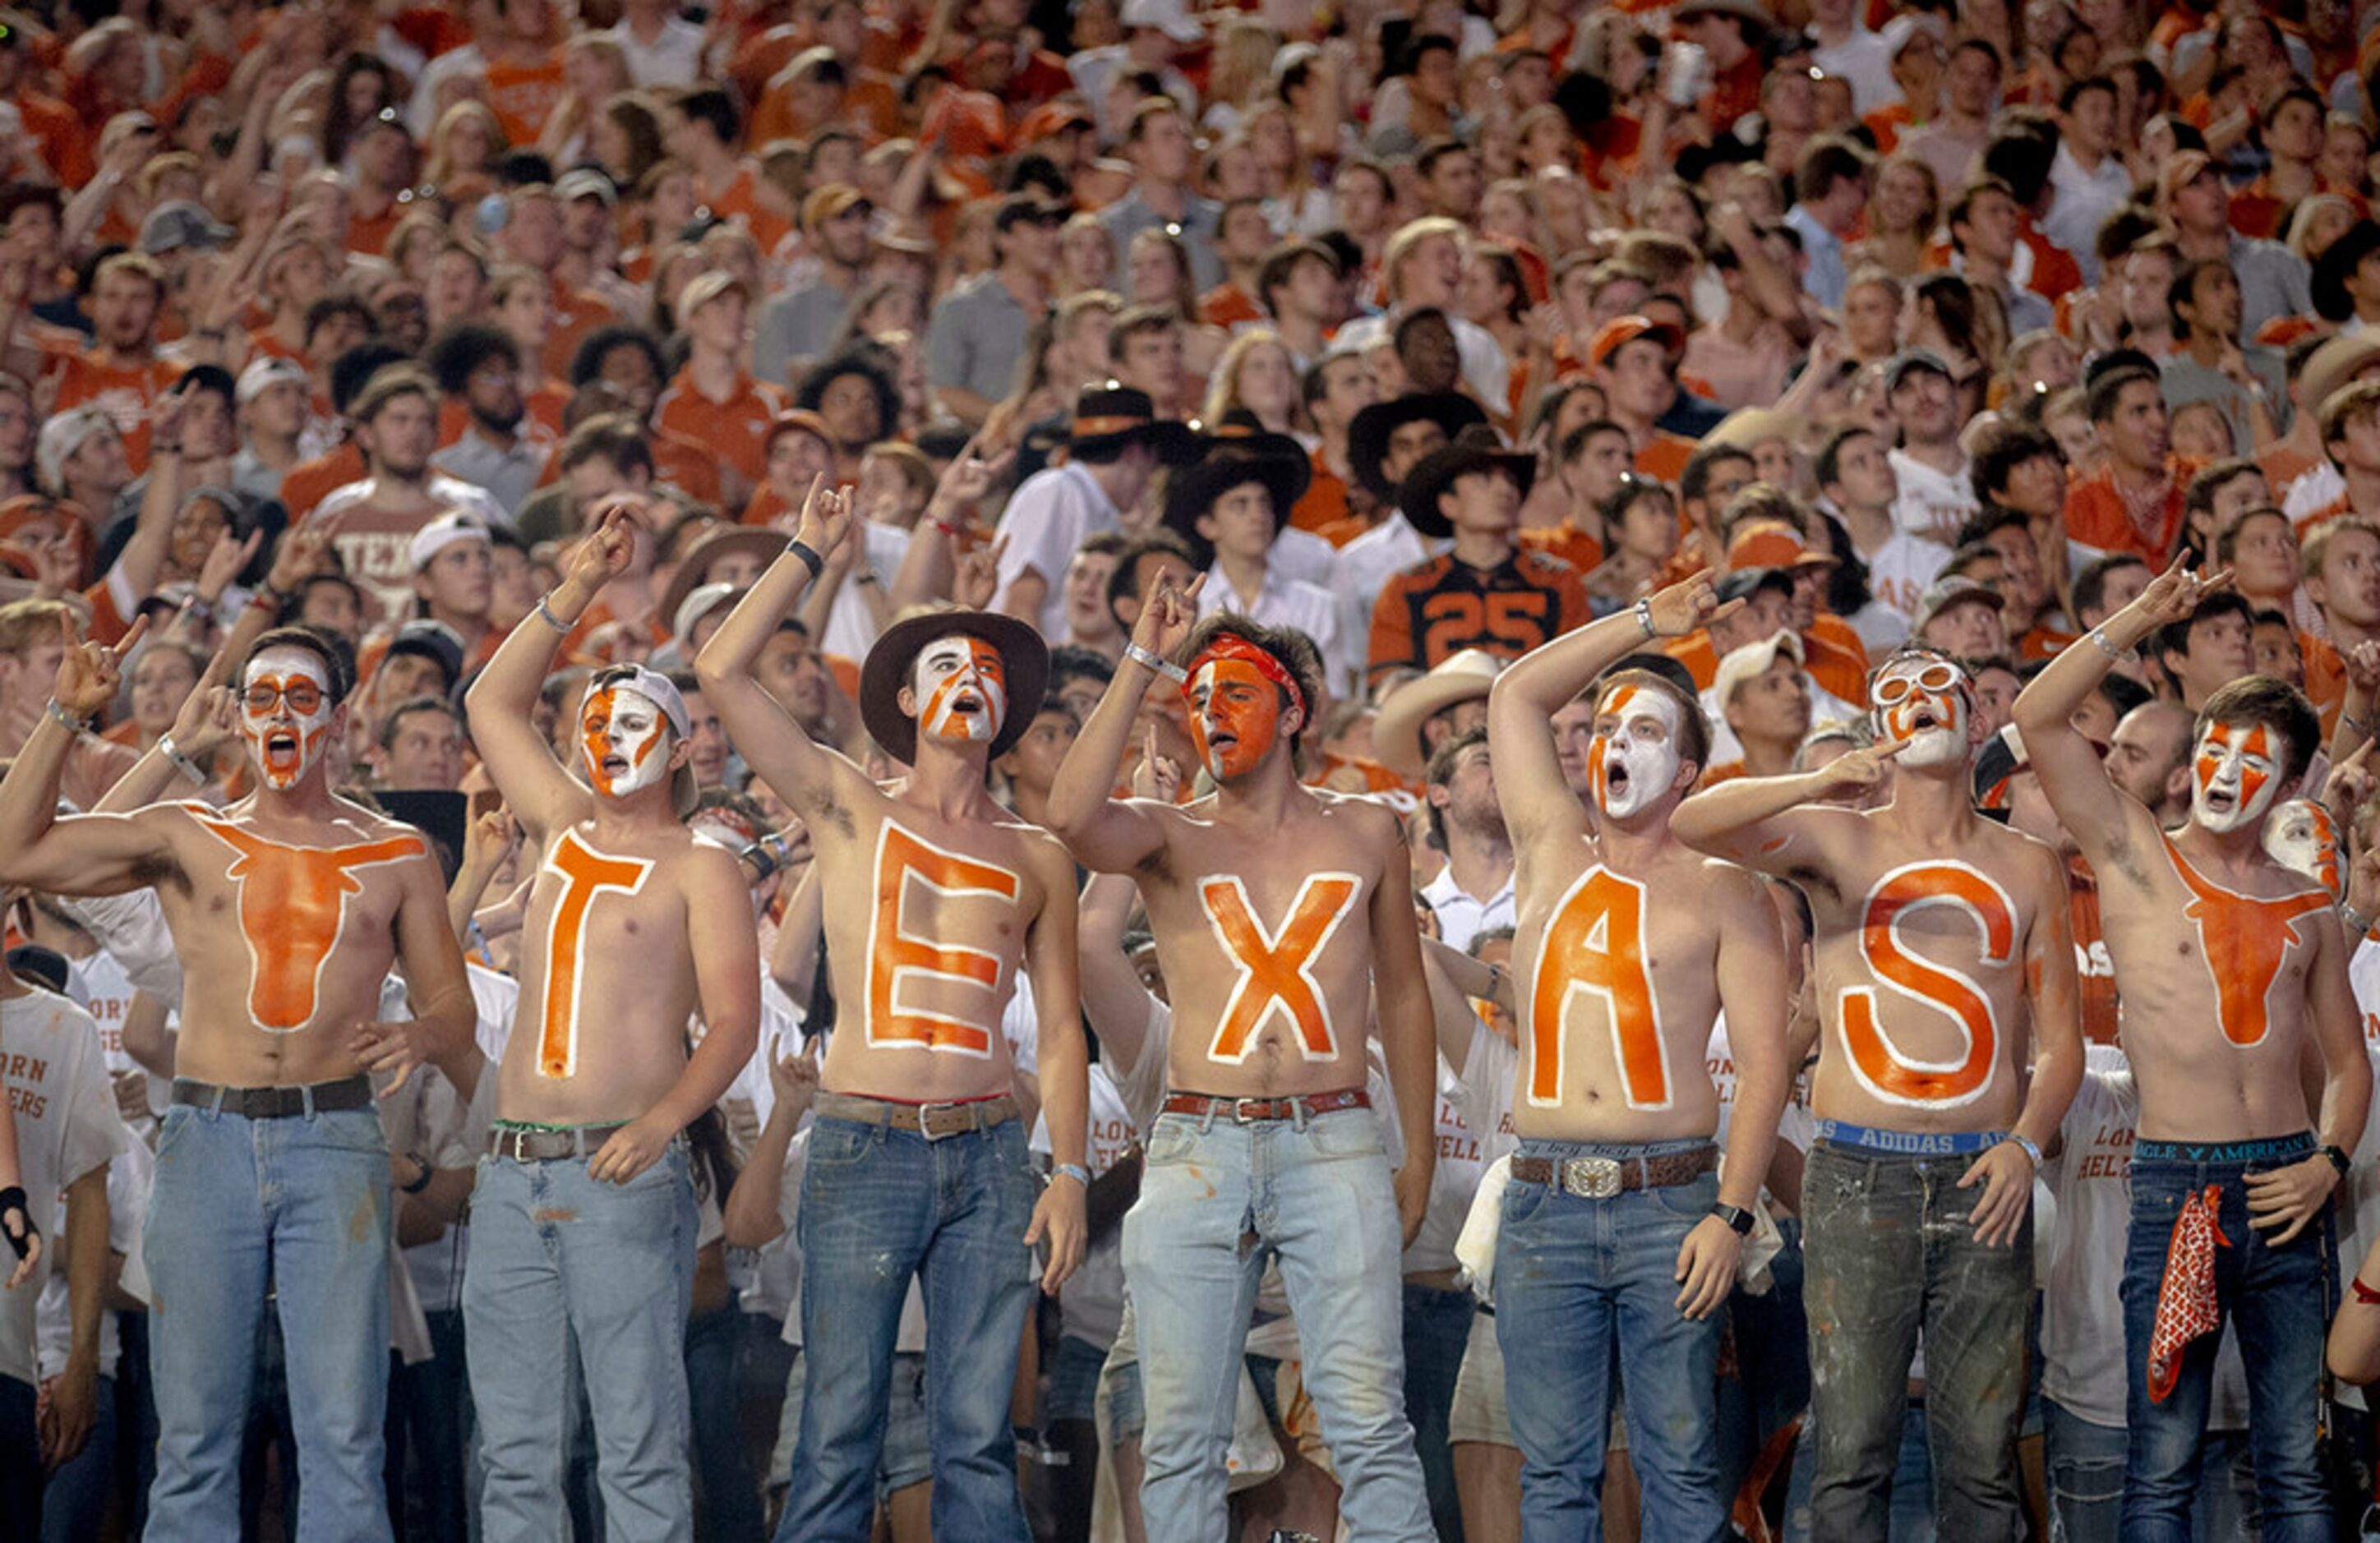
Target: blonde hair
1412, 233
1223, 391
439, 166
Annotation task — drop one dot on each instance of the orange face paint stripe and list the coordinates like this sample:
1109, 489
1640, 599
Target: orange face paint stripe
2245, 941
1880, 1065
1276, 969
899, 958
1594, 947
584, 873
293, 904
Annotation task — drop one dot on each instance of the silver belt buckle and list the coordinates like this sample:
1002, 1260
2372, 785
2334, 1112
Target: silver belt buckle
925, 1122
1592, 1178
1240, 1115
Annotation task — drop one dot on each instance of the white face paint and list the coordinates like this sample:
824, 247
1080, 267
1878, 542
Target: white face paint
2300, 836
961, 689
1925, 704
621, 734
1633, 757
2236, 777
284, 714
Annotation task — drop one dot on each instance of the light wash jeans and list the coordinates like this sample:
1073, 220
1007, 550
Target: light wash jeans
303, 1202
878, 1206
554, 1254
1314, 1195
1576, 1277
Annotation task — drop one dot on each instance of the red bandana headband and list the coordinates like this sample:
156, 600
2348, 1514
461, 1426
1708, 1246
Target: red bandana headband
1228, 645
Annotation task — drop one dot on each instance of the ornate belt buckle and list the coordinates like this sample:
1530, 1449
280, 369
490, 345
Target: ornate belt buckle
1592, 1178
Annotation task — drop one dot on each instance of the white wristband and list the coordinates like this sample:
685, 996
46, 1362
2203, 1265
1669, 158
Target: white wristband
1165, 667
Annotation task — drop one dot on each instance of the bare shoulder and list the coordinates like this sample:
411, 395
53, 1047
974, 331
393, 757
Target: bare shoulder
1363, 812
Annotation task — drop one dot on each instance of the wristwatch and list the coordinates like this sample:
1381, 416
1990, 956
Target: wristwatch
417, 1185
1738, 1220
2335, 1158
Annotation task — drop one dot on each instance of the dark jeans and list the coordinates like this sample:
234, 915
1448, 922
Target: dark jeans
429, 1440
1438, 1326
726, 1496
1888, 1249
74, 1503
2280, 1301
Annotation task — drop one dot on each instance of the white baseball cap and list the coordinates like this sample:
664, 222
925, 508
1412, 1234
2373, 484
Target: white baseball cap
264, 372
443, 532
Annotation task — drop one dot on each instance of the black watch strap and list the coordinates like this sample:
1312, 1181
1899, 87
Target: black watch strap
422, 1183
2337, 1158
1738, 1220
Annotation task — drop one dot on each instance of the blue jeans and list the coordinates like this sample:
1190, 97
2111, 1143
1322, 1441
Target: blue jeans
1437, 1328
880, 1207
554, 1254
304, 1201
74, 1502
1315, 1193
1888, 1247
2085, 1476
2278, 1299
1574, 1276
727, 1499
20, 1464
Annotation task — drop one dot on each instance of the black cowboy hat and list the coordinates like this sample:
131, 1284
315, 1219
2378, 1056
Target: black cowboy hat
1191, 491
1368, 431
1473, 450
1110, 416
1023, 658
2337, 264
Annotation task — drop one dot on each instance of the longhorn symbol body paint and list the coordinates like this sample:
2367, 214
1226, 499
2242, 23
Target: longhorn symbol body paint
2244, 941
1882, 1068
584, 873
1276, 967
1594, 947
899, 960
293, 906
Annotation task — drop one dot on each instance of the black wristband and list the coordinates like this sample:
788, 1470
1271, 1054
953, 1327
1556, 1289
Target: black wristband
2335, 1158
1738, 1220
417, 1185
807, 553
13, 1200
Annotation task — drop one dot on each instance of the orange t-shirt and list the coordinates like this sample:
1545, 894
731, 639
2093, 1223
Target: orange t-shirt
1324, 503
735, 430
310, 482
2097, 517
1227, 306
1665, 456
523, 96
1570, 544
127, 396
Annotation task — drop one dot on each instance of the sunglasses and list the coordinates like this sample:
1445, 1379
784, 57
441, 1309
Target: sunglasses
303, 696
1933, 677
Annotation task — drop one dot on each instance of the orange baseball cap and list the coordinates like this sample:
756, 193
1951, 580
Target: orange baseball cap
1769, 543
1620, 331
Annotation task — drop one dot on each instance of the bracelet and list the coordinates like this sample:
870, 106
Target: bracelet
159, 449
2362, 1292
1073, 1171
2337, 1158
2121, 656
865, 576
2024, 1144
761, 858
1643, 609
2358, 924
427, 1173
1165, 667
947, 529
218, 333
182, 763
263, 600
545, 614
72, 724
807, 553
2360, 725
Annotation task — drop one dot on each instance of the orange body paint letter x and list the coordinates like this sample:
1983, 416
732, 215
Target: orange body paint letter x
1594, 946
904, 970
293, 904
1880, 1065
1277, 968
584, 873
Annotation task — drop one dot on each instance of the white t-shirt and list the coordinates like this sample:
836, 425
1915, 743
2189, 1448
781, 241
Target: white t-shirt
1090, 1304
1460, 916
1483, 1093
1898, 575
67, 1125
1043, 524
1931, 504
1453, 1181
129, 1177
851, 626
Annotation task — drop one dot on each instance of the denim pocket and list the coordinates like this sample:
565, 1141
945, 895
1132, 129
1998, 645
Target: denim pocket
1690, 1201
1521, 1201
1353, 1135
1173, 1138
348, 1130
840, 1141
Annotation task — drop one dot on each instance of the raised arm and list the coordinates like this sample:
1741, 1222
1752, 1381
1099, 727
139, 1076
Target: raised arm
83, 854
2106, 822
754, 1214
143, 554
1537, 800
487, 842
2005, 1170
1408, 1036
1063, 1064
203, 725
1763, 823
771, 743
1116, 835
541, 795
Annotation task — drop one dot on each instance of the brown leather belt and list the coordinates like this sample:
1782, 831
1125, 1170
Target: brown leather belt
1244, 1112
1597, 1178
934, 1122
277, 1103
529, 1144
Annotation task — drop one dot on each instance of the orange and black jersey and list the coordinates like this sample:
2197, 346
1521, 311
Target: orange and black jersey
1440, 607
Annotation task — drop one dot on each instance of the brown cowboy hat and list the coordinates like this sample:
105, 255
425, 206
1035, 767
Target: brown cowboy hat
1023, 658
